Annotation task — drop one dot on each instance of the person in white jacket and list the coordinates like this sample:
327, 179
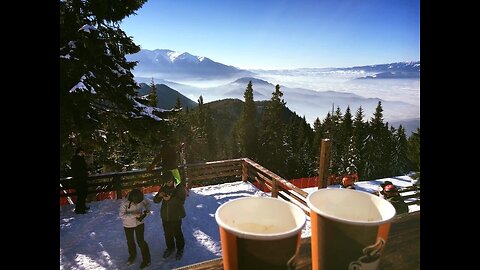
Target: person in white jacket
133, 210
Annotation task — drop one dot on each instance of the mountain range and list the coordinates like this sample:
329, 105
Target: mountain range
169, 69
385, 71
172, 65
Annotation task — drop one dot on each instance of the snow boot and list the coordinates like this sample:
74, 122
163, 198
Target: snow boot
179, 254
144, 264
167, 253
130, 260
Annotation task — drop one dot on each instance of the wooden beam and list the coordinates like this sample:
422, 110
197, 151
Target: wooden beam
324, 161
244, 171
272, 175
274, 188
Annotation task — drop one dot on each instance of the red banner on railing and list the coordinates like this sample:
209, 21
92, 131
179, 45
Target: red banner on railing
100, 196
305, 182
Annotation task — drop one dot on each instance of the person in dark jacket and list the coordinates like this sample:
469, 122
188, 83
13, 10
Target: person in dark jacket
381, 192
172, 211
133, 211
391, 194
168, 158
80, 175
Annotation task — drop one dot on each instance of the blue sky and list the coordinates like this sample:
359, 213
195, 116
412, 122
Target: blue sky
282, 34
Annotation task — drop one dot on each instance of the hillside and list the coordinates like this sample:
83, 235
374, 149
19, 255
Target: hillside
226, 113
166, 96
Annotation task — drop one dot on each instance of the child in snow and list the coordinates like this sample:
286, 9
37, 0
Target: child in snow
132, 212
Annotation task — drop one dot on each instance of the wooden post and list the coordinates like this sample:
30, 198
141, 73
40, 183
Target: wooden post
117, 186
324, 157
244, 171
274, 188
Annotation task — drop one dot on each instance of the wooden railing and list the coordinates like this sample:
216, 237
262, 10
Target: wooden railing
198, 174
275, 183
117, 181
411, 195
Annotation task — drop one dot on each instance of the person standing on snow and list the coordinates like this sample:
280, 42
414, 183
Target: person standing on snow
168, 158
80, 176
133, 210
172, 211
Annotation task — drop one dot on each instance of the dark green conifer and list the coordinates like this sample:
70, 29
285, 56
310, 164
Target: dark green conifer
272, 131
247, 126
152, 96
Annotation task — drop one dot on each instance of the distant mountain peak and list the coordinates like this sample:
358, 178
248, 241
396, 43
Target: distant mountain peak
179, 56
174, 56
245, 80
174, 65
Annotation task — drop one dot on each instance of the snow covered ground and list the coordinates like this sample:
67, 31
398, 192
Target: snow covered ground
96, 240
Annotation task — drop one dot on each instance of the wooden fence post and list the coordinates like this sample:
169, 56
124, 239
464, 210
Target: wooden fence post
117, 186
274, 188
244, 171
324, 157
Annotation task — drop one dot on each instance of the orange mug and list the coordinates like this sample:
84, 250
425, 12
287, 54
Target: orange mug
259, 233
349, 228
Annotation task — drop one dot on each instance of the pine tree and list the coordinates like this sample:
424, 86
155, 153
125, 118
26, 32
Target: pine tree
359, 135
234, 148
183, 130
350, 158
377, 147
291, 158
328, 126
97, 88
307, 155
337, 147
247, 129
401, 152
204, 144
318, 135
346, 132
272, 151
391, 165
152, 96
317, 139
178, 103
388, 146
297, 143
347, 126
414, 150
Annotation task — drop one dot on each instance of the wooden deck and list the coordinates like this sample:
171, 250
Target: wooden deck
401, 252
